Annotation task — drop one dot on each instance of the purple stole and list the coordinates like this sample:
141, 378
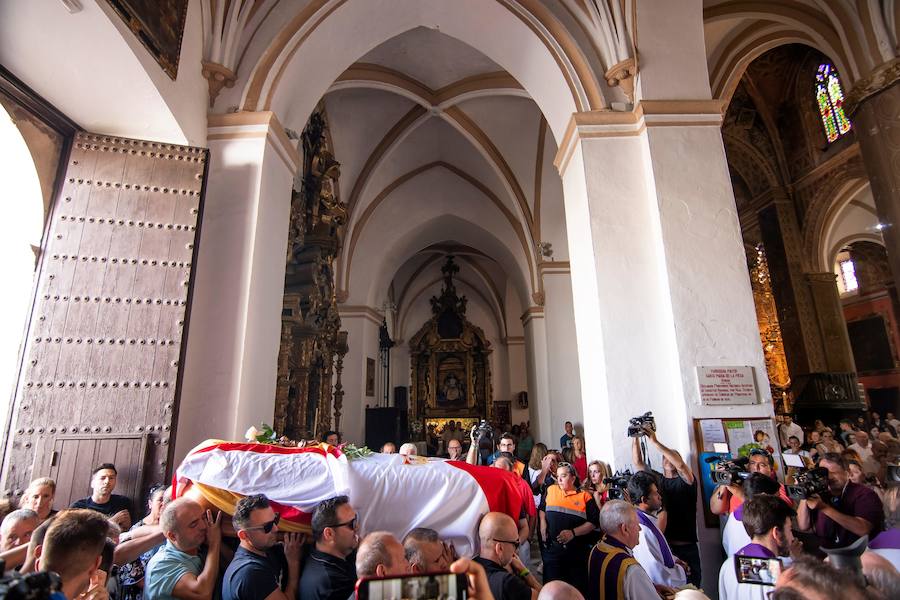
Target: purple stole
607, 565
739, 513
755, 551
886, 540
668, 559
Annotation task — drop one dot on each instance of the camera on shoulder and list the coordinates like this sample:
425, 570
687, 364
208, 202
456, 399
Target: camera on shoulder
809, 482
729, 471
636, 425
618, 484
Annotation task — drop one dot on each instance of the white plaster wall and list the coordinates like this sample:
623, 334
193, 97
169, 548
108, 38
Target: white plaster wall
92, 68
553, 209
235, 322
362, 339
566, 402
518, 378
672, 51
539, 396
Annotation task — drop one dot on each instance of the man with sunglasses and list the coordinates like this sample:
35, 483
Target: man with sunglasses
262, 569
329, 571
508, 578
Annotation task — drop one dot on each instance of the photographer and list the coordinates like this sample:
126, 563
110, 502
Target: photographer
727, 497
678, 487
850, 512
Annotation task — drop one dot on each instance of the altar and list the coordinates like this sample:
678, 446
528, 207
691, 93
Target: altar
450, 375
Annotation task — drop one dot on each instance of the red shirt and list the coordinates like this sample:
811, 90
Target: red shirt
580, 465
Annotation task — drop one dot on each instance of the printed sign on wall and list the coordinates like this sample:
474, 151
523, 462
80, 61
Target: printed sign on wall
726, 385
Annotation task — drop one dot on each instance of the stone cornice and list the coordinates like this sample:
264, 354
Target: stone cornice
882, 77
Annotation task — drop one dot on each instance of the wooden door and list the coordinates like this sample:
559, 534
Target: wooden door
74, 457
106, 337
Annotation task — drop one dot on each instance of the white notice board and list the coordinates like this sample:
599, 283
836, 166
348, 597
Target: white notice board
720, 386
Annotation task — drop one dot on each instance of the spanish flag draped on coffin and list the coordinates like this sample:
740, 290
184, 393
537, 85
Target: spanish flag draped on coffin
388, 491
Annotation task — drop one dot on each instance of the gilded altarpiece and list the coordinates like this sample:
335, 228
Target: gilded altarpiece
769, 328
449, 362
312, 345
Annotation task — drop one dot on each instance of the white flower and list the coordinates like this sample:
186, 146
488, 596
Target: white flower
251, 434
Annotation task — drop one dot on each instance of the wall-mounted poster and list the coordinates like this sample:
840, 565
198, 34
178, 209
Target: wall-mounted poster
370, 377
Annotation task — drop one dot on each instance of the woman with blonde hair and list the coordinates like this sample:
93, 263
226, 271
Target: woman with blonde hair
39, 497
597, 471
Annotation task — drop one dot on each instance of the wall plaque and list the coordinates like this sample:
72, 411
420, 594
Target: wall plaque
726, 385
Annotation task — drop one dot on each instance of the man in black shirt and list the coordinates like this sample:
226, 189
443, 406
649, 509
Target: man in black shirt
508, 578
262, 569
329, 572
102, 499
678, 487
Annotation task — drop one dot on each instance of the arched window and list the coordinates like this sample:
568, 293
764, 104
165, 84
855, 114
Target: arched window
830, 98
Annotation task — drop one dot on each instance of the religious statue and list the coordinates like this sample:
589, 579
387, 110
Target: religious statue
452, 391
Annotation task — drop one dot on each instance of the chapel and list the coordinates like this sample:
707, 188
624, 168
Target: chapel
378, 217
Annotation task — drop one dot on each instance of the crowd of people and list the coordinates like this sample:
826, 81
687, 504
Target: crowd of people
581, 531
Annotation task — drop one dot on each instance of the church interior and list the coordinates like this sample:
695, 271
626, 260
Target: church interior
376, 217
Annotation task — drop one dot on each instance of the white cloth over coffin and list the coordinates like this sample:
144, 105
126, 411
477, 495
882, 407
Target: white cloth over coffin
387, 494
649, 553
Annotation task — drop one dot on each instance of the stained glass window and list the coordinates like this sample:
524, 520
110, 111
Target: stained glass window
848, 274
830, 98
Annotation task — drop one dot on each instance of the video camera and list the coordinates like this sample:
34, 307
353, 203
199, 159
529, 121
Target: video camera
44, 585
636, 425
618, 484
729, 471
812, 482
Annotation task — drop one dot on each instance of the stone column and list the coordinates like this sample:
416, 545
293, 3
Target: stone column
874, 106
562, 350
832, 326
235, 327
800, 331
361, 324
539, 398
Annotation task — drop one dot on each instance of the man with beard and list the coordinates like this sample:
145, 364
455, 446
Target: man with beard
102, 499
262, 569
329, 571
767, 520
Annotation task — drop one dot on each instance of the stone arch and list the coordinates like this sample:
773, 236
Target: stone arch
526, 39
833, 194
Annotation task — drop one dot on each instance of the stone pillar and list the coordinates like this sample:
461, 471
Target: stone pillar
562, 351
361, 324
803, 346
875, 106
832, 326
235, 326
539, 398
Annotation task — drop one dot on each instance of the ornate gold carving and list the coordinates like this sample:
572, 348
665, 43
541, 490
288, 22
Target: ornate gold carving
622, 74
883, 77
305, 403
217, 76
449, 360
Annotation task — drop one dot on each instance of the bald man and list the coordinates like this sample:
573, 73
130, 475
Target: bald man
508, 578
381, 555
559, 590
